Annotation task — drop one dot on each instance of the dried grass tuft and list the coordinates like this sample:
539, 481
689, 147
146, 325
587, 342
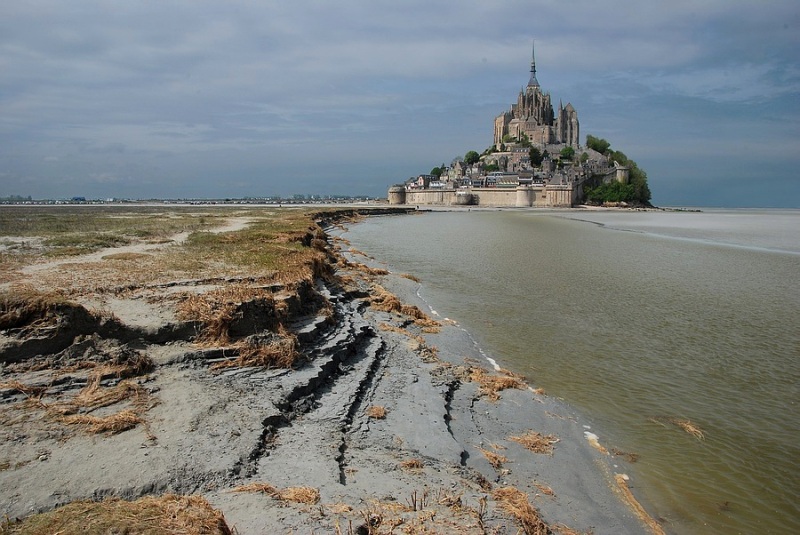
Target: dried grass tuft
515, 502
189, 515
495, 459
306, 495
217, 309
412, 464
491, 385
31, 392
282, 352
376, 412
110, 425
93, 396
536, 442
264, 488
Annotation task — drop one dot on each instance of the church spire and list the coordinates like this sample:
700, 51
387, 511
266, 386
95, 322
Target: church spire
533, 82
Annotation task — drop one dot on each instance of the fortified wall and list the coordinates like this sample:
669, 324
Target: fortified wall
521, 196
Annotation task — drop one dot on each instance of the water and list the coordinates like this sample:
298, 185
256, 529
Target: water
637, 320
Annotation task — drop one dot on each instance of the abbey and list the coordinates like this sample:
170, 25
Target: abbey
533, 117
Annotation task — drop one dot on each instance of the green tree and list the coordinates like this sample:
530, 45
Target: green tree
524, 140
598, 144
471, 157
437, 172
536, 156
490, 168
567, 153
584, 157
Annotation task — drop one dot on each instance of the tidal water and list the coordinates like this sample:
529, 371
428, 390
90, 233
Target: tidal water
638, 320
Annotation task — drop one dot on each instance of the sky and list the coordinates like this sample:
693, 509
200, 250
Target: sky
202, 99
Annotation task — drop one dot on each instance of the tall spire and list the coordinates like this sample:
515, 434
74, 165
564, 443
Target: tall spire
533, 82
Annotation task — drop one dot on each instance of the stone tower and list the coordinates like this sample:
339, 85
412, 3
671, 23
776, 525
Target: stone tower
533, 116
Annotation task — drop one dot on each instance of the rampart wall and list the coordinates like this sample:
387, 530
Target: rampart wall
540, 197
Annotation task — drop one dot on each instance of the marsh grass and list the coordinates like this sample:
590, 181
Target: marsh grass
74, 230
188, 515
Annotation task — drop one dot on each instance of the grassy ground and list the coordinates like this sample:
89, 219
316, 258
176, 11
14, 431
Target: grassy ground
281, 246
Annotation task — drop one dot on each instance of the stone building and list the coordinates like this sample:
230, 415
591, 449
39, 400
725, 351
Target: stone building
533, 116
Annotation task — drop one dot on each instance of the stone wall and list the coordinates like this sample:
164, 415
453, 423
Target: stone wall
540, 197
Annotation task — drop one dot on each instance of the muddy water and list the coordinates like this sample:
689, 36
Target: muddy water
639, 321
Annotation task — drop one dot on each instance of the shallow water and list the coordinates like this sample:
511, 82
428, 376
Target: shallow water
638, 320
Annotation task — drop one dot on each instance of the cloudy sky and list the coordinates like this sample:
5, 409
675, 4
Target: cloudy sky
231, 98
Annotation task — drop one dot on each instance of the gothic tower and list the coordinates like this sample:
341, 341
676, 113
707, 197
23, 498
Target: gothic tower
533, 116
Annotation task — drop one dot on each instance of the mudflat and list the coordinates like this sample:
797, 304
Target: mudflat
252, 361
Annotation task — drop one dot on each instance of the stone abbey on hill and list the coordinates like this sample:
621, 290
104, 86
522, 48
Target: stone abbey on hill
505, 174
532, 116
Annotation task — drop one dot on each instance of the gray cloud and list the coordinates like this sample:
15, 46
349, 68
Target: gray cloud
185, 98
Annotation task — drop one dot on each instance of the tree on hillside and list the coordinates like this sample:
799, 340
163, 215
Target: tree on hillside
567, 153
598, 144
437, 172
536, 156
471, 157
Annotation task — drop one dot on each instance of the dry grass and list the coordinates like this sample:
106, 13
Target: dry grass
304, 495
31, 392
561, 529
385, 301
536, 442
109, 425
515, 502
494, 458
26, 307
412, 464
376, 412
282, 352
188, 515
545, 489
490, 385
93, 396
682, 423
217, 309
410, 277
75, 411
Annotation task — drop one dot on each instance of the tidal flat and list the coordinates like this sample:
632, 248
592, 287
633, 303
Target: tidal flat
248, 370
